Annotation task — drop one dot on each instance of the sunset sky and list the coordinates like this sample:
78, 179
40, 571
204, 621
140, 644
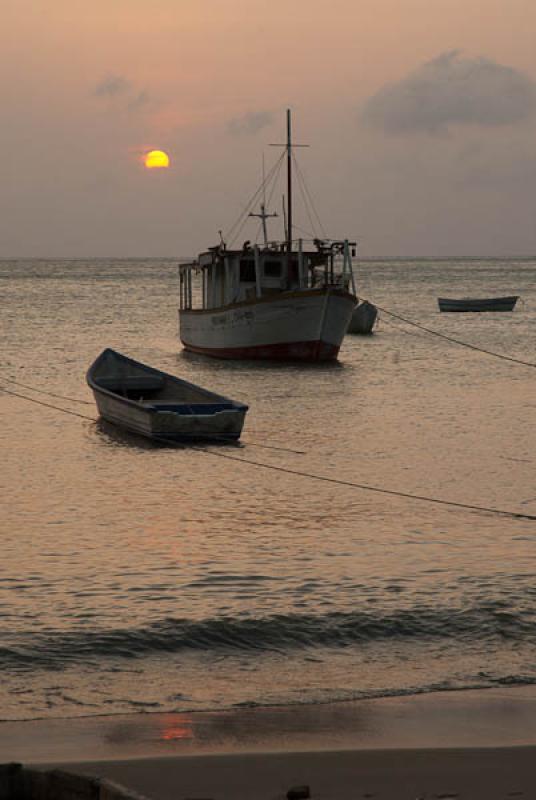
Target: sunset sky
420, 116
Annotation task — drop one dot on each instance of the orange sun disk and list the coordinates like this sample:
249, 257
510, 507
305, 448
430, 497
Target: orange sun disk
156, 159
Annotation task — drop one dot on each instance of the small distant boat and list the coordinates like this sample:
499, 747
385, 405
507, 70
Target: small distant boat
478, 304
363, 318
152, 403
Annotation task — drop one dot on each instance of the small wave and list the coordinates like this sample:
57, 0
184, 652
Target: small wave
277, 633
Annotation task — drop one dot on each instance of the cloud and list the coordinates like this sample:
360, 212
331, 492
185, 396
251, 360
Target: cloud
251, 123
112, 86
451, 90
139, 99
121, 91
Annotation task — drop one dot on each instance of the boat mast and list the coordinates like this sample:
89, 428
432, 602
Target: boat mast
288, 146
289, 182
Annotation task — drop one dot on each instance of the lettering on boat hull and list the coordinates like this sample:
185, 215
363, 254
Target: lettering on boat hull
309, 328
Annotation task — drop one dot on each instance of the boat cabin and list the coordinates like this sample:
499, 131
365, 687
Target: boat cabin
228, 277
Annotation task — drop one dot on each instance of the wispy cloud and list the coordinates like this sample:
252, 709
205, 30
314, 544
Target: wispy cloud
120, 89
251, 123
451, 90
113, 86
138, 100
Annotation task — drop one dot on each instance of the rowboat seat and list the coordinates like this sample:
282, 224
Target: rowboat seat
131, 383
193, 408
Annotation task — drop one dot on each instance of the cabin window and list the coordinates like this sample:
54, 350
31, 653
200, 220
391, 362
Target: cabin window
247, 270
272, 269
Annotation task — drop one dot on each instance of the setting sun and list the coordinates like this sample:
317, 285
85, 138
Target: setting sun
156, 159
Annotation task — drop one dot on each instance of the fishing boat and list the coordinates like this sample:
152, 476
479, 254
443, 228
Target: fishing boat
287, 299
363, 318
478, 304
152, 403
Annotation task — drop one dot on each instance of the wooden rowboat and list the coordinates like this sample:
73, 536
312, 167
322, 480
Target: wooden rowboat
152, 403
475, 304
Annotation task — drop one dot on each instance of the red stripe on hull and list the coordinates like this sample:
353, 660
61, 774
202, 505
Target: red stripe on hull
289, 351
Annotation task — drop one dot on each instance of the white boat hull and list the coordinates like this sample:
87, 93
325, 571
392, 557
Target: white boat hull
303, 325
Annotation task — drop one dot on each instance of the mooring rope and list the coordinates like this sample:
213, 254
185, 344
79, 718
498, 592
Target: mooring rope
303, 474
452, 339
42, 391
368, 488
250, 442
401, 328
47, 405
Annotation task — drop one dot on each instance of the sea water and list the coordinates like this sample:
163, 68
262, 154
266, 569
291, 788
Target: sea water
137, 577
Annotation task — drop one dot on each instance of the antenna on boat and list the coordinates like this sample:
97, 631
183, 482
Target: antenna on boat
263, 213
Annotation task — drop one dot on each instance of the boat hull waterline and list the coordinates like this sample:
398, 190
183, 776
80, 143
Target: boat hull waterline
298, 325
159, 406
477, 304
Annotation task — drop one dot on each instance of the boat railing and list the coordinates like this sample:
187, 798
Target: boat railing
226, 277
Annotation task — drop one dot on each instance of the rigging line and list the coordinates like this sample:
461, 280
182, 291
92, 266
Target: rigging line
50, 394
239, 225
456, 341
311, 204
47, 405
245, 210
302, 175
272, 190
365, 487
233, 232
274, 183
304, 196
302, 230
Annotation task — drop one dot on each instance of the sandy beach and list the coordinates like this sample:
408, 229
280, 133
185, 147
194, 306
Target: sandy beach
472, 744
477, 774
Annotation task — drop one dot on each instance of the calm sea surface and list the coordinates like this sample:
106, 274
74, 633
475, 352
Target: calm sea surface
136, 577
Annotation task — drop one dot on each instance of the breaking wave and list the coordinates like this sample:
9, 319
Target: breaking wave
277, 633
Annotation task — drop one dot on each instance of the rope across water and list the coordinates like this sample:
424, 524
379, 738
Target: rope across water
453, 340
313, 476
310, 475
